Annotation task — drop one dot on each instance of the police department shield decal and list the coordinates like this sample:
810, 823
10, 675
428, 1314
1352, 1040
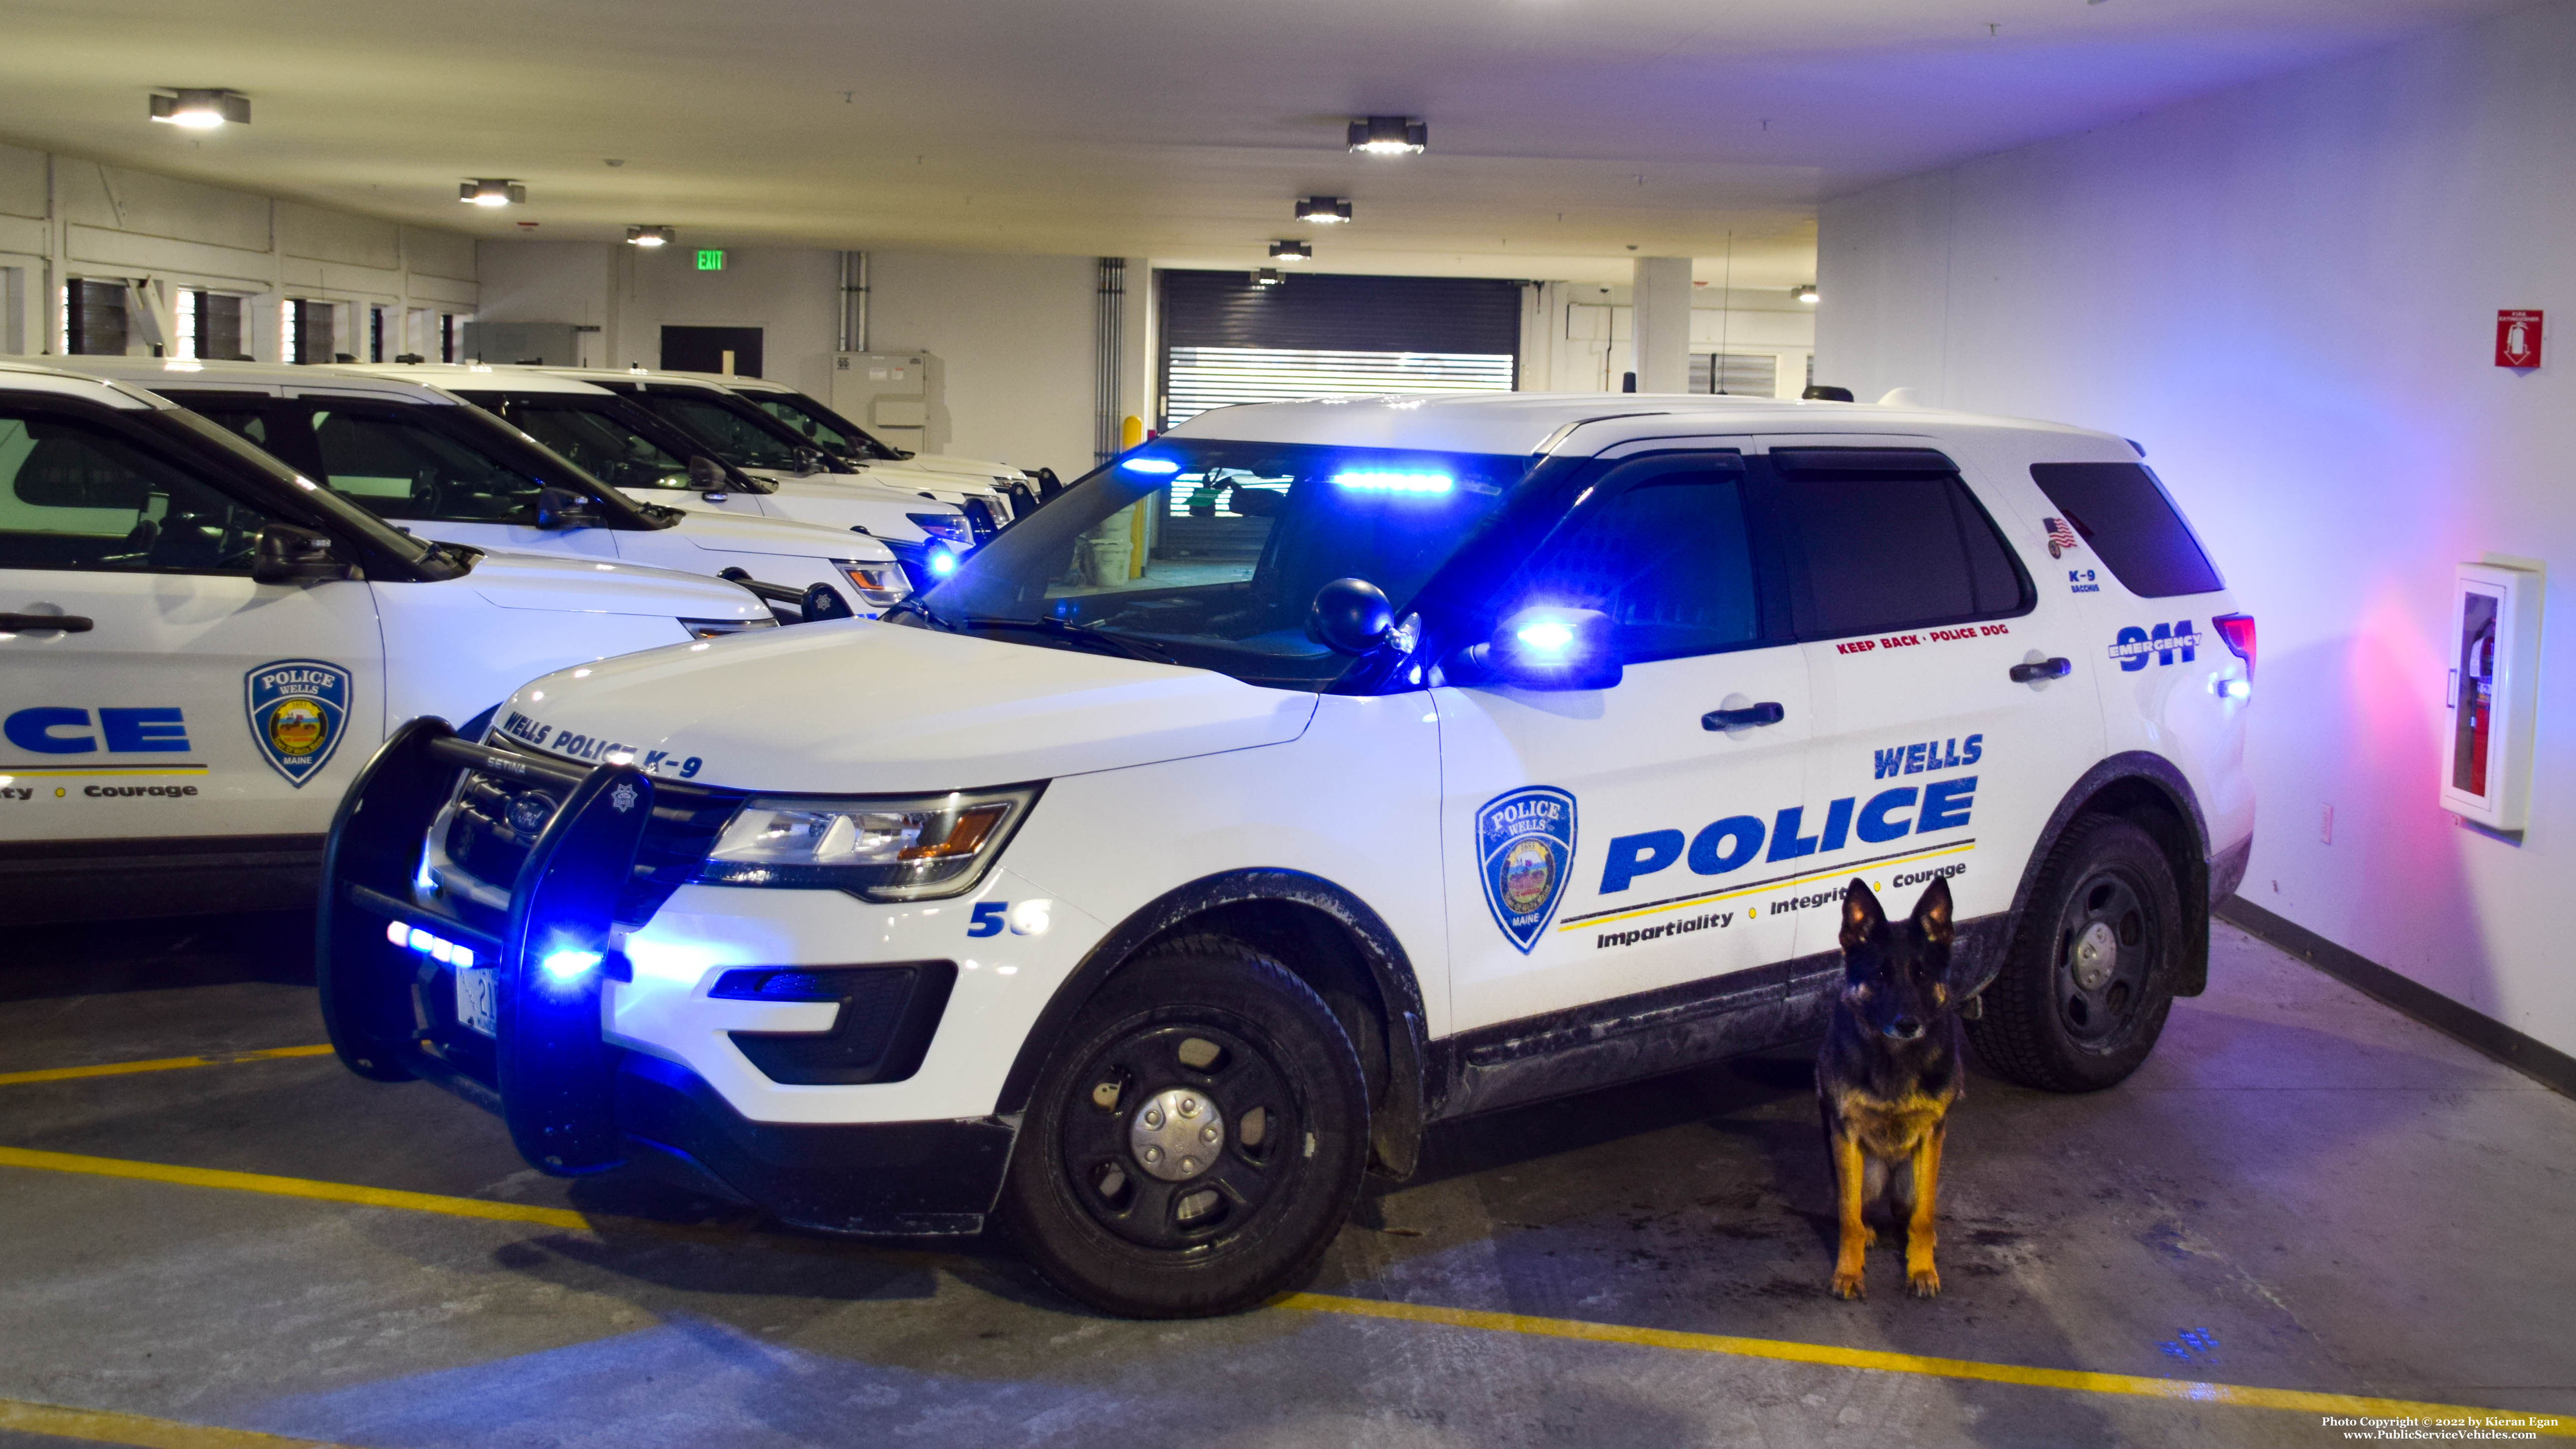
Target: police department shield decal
299, 708
1524, 850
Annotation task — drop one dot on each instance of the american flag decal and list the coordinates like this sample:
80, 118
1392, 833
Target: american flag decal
2060, 537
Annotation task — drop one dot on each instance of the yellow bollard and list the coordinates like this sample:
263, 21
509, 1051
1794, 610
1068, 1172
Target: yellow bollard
1131, 433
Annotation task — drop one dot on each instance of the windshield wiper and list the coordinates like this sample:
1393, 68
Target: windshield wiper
912, 604
1056, 628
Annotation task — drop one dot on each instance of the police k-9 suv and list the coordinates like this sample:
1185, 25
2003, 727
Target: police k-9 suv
1449, 754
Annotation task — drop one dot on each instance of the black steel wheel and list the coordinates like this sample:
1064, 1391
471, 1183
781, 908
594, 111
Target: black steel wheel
2084, 994
1196, 1140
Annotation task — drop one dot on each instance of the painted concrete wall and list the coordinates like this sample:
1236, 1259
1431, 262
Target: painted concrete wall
2287, 293
63, 218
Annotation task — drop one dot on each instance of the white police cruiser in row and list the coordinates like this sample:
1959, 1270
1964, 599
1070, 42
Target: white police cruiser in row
421, 458
1462, 752
688, 444
850, 443
199, 647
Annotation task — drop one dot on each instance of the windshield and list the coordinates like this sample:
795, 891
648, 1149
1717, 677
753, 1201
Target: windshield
342, 513
1235, 540
828, 429
590, 433
735, 438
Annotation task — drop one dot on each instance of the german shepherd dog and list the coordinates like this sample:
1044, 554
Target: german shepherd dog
1890, 1068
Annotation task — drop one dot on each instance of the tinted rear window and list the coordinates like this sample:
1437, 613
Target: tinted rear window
2125, 518
1888, 551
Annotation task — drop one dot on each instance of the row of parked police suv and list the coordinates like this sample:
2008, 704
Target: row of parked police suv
1478, 751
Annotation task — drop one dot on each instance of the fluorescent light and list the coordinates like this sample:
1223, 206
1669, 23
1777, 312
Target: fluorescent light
1806, 294
201, 110
492, 193
1291, 251
1266, 277
1324, 210
650, 236
1385, 482
1389, 136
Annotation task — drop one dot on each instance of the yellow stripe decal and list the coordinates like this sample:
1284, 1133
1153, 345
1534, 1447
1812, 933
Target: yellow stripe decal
1830, 1355
105, 1426
2076, 1380
161, 1064
1790, 884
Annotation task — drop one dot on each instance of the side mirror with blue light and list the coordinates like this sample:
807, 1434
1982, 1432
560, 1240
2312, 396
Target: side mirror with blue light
1543, 648
1350, 616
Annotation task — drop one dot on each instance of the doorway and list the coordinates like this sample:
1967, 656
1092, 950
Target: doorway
703, 349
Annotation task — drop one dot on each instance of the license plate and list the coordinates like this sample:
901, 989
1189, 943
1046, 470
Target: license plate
478, 1000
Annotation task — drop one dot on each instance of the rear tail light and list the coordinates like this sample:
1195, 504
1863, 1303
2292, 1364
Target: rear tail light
2238, 631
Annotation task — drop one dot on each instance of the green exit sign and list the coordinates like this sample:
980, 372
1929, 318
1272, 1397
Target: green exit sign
710, 260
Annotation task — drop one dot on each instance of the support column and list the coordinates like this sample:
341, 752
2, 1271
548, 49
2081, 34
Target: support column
1663, 311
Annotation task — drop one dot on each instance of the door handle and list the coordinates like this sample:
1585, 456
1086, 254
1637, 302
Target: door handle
31, 623
1766, 713
2040, 669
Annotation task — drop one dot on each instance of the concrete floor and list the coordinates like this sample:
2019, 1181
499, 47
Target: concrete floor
2302, 1190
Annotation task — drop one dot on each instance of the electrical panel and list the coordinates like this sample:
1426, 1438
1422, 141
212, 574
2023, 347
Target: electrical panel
894, 395
2492, 696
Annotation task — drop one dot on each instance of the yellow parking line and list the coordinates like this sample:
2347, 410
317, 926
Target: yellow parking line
1831, 1355
161, 1064
2076, 1380
105, 1426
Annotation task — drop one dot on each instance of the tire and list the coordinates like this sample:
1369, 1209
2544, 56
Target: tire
2084, 992
1211, 1032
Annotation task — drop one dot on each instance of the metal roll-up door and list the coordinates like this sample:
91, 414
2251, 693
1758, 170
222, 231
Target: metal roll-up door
1228, 340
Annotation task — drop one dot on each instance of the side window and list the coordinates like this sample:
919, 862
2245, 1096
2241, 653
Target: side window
1668, 559
76, 495
2123, 516
397, 468
1869, 552
600, 446
801, 420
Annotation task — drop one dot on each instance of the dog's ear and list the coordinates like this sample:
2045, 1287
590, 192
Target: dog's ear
1932, 912
1862, 918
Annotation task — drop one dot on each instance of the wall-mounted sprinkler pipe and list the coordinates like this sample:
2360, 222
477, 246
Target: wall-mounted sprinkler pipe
854, 302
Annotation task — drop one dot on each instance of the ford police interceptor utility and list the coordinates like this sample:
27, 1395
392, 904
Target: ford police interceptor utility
199, 648
755, 439
851, 443
1464, 752
924, 521
419, 457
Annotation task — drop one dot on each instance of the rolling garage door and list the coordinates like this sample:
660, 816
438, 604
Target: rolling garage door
1227, 340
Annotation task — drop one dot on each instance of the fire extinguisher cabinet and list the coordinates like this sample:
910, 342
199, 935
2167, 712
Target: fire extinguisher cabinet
2494, 664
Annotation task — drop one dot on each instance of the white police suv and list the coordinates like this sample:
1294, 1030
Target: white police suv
417, 456
850, 443
199, 647
1451, 753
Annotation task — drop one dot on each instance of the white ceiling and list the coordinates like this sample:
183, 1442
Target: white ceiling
1564, 133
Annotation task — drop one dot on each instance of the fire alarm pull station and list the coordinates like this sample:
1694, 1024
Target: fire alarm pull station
2494, 685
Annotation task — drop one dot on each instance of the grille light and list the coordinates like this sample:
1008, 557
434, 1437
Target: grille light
435, 947
568, 965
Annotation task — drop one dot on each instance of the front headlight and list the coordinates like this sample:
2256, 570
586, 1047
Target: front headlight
905, 849
880, 584
947, 527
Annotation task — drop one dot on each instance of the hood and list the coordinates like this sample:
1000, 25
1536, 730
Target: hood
856, 708
982, 470
720, 532
887, 480
591, 586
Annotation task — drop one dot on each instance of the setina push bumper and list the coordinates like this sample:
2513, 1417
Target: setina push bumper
492, 976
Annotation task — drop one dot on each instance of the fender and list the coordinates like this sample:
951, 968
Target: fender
1395, 1130
2156, 773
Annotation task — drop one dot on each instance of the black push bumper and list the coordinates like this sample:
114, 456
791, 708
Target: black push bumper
574, 1103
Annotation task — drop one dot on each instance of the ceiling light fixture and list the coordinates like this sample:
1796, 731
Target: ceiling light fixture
1291, 251
1324, 210
1389, 136
1806, 294
492, 193
201, 110
650, 236
1267, 277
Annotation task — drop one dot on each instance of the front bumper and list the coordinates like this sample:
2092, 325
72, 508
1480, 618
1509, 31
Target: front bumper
575, 1101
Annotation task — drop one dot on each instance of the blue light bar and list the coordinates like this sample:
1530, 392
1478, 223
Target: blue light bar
942, 563
1380, 482
1154, 466
437, 948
